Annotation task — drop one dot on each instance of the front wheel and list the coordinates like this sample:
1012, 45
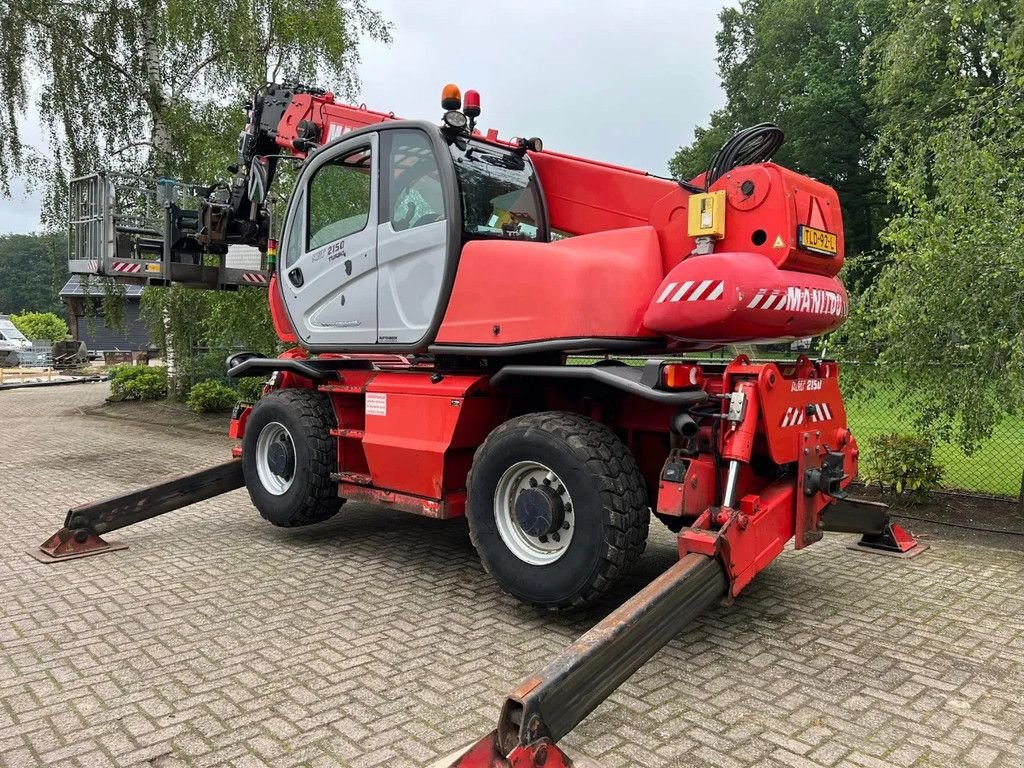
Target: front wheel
288, 457
557, 508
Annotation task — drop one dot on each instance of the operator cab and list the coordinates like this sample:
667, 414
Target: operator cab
376, 224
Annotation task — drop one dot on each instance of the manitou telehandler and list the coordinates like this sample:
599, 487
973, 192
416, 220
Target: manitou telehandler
432, 282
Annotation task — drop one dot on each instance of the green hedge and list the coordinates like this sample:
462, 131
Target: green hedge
211, 397
138, 382
250, 388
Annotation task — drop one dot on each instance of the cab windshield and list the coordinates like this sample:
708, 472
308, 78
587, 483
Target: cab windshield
499, 192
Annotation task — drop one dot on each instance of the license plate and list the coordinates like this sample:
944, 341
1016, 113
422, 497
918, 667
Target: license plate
817, 240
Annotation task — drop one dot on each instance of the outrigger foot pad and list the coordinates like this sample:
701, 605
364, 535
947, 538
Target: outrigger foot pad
83, 526
68, 544
487, 754
893, 541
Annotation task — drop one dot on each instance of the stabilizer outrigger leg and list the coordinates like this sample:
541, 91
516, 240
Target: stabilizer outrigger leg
83, 526
871, 518
550, 704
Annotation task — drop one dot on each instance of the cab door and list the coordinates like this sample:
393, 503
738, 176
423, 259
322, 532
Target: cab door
413, 235
329, 260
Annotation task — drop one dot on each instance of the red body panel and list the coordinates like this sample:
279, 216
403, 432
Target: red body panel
407, 434
278, 313
509, 292
334, 120
624, 279
585, 196
734, 298
420, 434
781, 200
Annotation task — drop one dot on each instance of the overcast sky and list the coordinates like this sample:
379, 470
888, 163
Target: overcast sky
622, 81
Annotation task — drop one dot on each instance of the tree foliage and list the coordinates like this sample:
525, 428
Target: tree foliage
156, 88
798, 63
157, 85
33, 269
912, 110
194, 330
41, 325
946, 317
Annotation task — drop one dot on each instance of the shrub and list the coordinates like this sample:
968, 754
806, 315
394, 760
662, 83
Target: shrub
137, 382
250, 388
211, 396
41, 325
902, 464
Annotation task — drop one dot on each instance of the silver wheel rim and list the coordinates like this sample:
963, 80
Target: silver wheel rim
535, 550
272, 433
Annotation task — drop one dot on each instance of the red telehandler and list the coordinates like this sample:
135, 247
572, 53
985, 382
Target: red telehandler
432, 282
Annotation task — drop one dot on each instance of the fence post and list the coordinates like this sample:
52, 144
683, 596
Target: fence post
1020, 499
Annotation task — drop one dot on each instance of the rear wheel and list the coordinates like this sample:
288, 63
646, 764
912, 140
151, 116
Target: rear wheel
288, 456
557, 508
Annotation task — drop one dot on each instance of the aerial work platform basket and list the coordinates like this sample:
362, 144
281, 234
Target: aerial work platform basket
144, 230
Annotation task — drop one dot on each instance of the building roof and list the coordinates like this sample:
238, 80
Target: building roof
75, 287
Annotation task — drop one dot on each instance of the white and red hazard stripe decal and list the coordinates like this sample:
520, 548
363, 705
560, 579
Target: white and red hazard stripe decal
693, 290
126, 267
813, 412
765, 299
257, 278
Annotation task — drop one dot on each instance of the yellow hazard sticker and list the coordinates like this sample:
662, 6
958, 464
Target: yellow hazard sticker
152, 267
779, 242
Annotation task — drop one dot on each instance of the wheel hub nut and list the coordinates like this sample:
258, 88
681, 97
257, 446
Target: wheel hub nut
539, 511
281, 459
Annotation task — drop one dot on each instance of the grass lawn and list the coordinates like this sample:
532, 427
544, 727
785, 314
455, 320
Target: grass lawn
994, 468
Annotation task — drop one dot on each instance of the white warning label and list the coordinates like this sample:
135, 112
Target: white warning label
376, 404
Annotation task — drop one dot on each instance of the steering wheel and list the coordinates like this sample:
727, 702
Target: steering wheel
427, 218
404, 182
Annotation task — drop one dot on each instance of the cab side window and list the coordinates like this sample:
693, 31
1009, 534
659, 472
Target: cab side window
338, 203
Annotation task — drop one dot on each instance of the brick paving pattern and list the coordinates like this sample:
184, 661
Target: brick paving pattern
376, 639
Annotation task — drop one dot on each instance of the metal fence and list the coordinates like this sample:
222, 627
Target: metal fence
994, 468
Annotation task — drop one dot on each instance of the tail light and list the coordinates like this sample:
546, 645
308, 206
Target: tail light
681, 376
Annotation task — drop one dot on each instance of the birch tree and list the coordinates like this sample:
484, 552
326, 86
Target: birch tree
157, 86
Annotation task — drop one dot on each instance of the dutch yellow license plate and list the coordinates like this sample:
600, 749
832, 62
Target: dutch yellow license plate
817, 240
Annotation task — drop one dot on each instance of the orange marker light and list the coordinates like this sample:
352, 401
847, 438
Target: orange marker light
451, 97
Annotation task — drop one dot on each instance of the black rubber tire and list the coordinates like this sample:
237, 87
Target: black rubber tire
313, 495
609, 495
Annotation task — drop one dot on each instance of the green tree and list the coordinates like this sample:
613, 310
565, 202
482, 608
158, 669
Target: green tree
945, 319
41, 325
798, 63
33, 269
157, 87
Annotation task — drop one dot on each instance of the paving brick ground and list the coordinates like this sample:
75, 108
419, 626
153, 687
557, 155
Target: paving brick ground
375, 639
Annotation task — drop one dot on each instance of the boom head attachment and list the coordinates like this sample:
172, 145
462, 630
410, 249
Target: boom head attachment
159, 231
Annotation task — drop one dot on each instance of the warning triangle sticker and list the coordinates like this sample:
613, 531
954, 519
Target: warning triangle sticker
815, 218
778, 242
